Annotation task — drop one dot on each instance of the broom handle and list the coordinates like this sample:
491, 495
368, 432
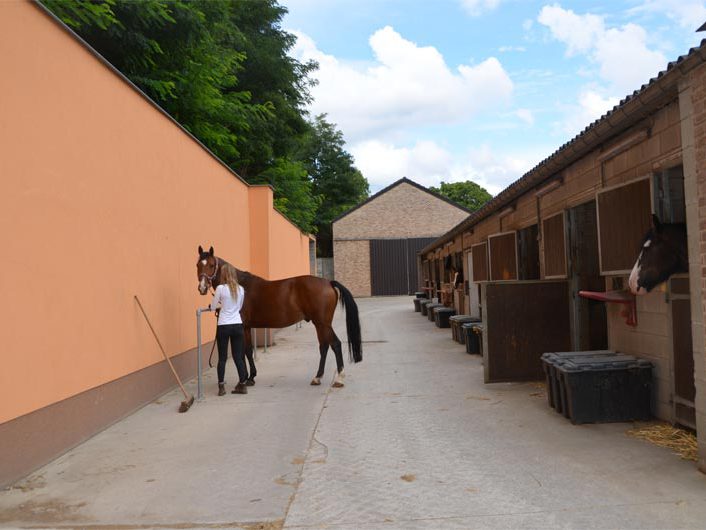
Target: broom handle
161, 348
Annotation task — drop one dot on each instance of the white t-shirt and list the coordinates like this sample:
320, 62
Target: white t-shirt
230, 309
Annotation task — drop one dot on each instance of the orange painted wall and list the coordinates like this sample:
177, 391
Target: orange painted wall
104, 197
289, 248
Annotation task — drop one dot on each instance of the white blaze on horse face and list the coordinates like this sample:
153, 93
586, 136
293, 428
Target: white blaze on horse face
204, 262
635, 275
202, 285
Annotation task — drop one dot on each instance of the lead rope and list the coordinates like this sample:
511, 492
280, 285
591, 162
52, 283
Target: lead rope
214, 339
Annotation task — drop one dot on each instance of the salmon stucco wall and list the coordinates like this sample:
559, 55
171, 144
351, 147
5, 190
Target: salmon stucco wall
104, 198
289, 249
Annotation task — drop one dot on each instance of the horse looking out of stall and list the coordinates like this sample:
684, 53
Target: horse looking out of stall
663, 253
281, 303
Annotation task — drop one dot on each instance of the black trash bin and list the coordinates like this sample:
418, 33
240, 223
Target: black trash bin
442, 315
417, 307
611, 388
472, 338
456, 330
423, 306
553, 359
420, 294
430, 310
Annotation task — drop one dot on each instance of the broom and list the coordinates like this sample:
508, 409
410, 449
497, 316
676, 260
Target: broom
189, 399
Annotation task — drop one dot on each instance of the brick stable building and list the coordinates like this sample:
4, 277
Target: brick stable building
375, 244
574, 223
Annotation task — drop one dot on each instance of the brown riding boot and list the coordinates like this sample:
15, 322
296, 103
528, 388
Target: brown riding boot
221, 389
240, 388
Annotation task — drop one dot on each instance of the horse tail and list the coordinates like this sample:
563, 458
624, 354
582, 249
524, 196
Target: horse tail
355, 344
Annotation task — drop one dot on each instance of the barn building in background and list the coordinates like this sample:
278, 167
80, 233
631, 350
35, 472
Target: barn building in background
375, 244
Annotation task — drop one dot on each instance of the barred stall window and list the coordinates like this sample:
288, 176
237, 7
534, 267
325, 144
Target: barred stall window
479, 255
503, 256
554, 246
624, 216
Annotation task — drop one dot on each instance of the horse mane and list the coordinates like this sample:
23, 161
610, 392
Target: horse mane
246, 278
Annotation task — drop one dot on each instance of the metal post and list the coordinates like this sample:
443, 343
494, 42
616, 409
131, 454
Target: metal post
266, 337
199, 375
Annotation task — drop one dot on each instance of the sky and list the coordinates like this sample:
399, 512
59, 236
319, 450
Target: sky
481, 90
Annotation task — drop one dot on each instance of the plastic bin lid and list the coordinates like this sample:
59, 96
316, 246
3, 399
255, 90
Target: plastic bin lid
445, 310
464, 318
561, 356
469, 325
617, 362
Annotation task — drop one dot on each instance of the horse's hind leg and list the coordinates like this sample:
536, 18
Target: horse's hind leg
336, 346
247, 343
323, 350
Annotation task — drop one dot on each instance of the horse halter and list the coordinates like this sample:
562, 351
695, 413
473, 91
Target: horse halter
213, 276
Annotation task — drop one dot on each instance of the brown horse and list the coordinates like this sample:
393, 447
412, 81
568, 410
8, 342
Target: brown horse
281, 303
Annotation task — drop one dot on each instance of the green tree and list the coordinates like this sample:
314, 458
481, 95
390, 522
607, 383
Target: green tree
467, 194
293, 195
334, 177
273, 78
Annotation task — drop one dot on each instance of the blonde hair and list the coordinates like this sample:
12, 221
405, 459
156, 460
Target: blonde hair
230, 278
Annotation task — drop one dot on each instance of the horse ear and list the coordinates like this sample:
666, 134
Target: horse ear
210, 251
200, 250
655, 223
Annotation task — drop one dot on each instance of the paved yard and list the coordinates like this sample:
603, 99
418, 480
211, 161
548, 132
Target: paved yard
415, 440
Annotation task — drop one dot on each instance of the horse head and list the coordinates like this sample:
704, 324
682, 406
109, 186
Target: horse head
663, 253
207, 268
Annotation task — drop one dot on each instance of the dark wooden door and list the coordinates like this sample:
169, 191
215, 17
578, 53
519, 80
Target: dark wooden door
590, 320
393, 265
684, 387
523, 320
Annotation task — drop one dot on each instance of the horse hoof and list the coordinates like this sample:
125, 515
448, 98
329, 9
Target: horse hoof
338, 384
250, 382
315, 382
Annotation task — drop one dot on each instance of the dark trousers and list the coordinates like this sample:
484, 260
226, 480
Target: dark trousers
234, 333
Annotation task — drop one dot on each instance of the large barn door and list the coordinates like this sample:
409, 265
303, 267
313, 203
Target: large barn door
393, 265
523, 320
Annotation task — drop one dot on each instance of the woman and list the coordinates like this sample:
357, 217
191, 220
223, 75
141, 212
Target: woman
230, 295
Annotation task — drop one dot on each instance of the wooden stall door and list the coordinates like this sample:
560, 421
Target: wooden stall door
522, 321
590, 321
473, 290
684, 387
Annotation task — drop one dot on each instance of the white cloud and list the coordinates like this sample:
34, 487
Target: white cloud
382, 163
504, 49
525, 115
478, 7
428, 164
689, 14
622, 55
405, 86
591, 106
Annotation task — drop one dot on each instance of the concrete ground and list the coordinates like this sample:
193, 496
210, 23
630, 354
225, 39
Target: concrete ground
414, 440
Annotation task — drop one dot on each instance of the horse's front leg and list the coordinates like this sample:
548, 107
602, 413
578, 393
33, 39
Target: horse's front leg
247, 343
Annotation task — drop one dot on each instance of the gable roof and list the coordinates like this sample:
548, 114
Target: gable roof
631, 110
403, 180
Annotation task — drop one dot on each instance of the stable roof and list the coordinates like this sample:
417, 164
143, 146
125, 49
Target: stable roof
651, 96
403, 180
